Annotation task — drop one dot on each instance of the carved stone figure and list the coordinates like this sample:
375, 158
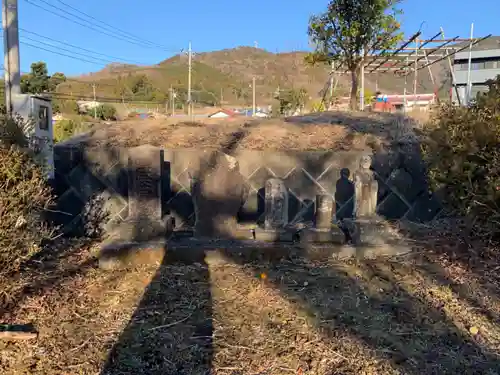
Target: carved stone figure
276, 204
366, 188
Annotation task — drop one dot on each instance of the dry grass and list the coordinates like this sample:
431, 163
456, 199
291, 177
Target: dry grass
257, 313
325, 131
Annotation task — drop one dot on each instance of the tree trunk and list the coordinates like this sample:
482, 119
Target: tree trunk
354, 89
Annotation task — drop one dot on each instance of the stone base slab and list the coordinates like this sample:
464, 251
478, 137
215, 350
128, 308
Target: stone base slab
285, 235
130, 255
333, 236
372, 233
141, 230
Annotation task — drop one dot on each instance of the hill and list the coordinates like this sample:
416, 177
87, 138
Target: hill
226, 75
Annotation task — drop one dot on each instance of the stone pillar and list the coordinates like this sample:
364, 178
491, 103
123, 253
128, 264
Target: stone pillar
276, 214
145, 194
145, 166
324, 208
218, 192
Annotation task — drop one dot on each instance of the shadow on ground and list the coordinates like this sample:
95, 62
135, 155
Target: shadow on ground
171, 330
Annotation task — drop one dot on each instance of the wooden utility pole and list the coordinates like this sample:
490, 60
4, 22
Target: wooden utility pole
362, 90
172, 100
450, 66
95, 101
405, 105
469, 65
190, 109
332, 71
12, 72
415, 74
253, 97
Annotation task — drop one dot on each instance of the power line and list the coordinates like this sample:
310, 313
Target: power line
119, 37
67, 50
117, 59
63, 96
121, 71
113, 27
61, 54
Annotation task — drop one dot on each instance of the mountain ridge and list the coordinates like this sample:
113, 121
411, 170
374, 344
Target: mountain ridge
227, 74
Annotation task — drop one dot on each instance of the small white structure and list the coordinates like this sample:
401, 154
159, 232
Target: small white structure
84, 106
222, 113
261, 114
36, 114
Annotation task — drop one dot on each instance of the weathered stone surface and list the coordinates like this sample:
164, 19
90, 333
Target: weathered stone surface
145, 194
278, 235
376, 235
306, 174
218, 192
276, 204
366, 188
324, 208
332, 235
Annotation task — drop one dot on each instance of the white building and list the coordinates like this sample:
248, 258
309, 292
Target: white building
222, 113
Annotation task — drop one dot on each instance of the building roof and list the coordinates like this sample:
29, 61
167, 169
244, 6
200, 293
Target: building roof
249, 112
464, 55
226, 111
410, 98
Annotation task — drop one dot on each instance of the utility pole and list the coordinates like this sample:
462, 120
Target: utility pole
190, 109
332, 71
95, 101
415, 74
450, 66
406, 82
12, 75
362, 91
172, 100
469, 83
253, 97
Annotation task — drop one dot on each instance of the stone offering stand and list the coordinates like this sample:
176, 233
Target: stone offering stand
344, 202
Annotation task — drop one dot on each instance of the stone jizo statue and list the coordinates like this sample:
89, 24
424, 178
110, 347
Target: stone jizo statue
366, 188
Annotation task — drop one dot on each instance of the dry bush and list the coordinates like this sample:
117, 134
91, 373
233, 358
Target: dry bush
11, 132
24, 195
462, 148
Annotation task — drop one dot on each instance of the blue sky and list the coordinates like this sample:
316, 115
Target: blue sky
276, 25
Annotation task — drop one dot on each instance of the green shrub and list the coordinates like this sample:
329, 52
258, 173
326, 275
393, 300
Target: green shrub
65, 106
106, 112
24, 195
318, 106
67, 128
462, 149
